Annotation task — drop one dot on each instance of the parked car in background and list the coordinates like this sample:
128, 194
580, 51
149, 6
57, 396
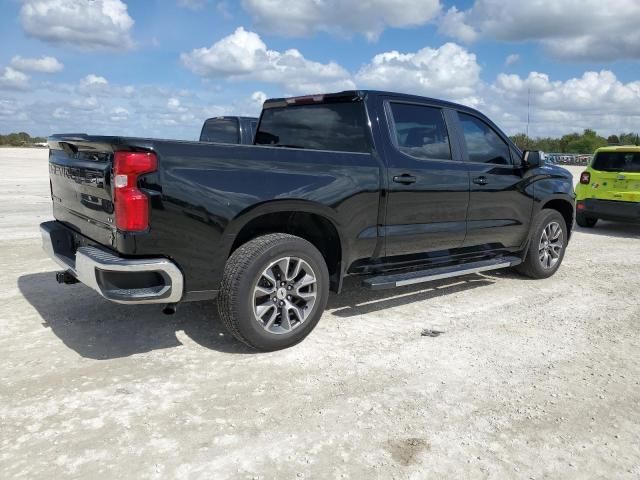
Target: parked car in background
229, 130
609, 188
399, 188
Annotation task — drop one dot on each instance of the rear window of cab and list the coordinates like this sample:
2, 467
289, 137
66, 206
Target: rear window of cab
323, 126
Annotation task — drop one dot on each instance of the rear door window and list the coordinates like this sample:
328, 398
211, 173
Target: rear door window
221, 130
324, 126
420, 131
617, 162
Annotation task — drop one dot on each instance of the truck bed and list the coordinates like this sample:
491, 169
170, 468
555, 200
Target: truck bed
202, 193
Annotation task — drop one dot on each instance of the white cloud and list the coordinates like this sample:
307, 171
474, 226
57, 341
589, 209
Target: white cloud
303, 17
512, 59
119, 114
258, 98
243, 54
61, 113
576, 29
93, 79
453, 24
594, 100
11, 79
82, 24
94, 84
593, 92
42, 64
449, 72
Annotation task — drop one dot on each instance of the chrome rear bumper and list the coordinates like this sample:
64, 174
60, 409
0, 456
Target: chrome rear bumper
121, 280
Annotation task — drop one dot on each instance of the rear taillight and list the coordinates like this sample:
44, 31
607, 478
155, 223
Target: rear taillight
579, 206
131, 204
585, 178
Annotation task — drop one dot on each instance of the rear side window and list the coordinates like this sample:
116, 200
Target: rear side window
220, 130
484, 145
617, 162
421, 131
324, 126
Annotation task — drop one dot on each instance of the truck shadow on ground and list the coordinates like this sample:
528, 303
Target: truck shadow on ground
356, 300
612, 229
98, 329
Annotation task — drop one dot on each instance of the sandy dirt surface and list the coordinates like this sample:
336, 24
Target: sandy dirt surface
530, 379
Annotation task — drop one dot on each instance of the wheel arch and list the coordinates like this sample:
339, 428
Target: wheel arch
565, 207
313, 222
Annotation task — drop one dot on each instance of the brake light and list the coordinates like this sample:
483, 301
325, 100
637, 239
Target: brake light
304, 100
585, 178
131, 204
580, 206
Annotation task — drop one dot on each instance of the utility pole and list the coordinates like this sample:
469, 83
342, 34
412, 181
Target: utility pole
528, 110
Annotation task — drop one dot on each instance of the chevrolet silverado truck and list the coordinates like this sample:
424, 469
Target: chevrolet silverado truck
395, 188
229, 130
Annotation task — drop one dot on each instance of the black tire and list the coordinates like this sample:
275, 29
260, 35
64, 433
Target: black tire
586, 222
533, 266
244, 269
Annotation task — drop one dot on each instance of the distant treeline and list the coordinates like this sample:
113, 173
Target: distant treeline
21, 139
586, 142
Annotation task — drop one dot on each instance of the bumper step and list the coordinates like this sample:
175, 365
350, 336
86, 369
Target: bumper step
438, 273
121, 280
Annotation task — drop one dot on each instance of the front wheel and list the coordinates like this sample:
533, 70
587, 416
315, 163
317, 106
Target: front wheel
547, 246
274, 291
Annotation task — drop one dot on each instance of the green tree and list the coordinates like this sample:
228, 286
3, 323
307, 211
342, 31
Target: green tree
588, 142
629, 139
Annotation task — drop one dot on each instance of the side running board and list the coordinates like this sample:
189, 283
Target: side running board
409, 278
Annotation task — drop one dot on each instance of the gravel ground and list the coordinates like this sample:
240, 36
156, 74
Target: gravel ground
530, 379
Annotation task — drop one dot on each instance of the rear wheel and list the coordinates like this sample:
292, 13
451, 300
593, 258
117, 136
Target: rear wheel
547, 245
274, 291
586, 222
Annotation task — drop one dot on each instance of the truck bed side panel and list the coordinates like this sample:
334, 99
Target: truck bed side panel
210, 191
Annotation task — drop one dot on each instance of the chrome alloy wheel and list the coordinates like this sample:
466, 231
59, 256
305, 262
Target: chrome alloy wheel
284, 295
551, 244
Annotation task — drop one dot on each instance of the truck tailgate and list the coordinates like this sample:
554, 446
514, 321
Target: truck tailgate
80, 175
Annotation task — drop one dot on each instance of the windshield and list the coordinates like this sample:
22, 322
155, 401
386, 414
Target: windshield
220, 130
324, 126
617, 162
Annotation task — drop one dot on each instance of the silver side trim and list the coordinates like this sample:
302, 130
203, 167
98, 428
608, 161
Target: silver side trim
89, 261
458, 273
412, 277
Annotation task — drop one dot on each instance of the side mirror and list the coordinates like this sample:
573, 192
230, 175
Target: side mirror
533, 158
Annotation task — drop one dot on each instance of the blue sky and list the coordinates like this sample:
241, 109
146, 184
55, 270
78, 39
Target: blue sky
159, 68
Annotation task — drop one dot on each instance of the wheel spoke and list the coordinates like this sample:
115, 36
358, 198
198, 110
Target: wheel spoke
283, 265
285, 321
296, 269
269, 275
264, 308
272, 318
262, 291
305, 281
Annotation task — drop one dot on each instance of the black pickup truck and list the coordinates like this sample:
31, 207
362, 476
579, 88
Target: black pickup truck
396, 188
229, 130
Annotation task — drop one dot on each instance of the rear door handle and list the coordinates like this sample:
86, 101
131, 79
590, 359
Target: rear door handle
405, 179
480, 180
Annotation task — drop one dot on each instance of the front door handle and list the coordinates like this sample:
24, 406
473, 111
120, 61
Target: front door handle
405, 179
480, 180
